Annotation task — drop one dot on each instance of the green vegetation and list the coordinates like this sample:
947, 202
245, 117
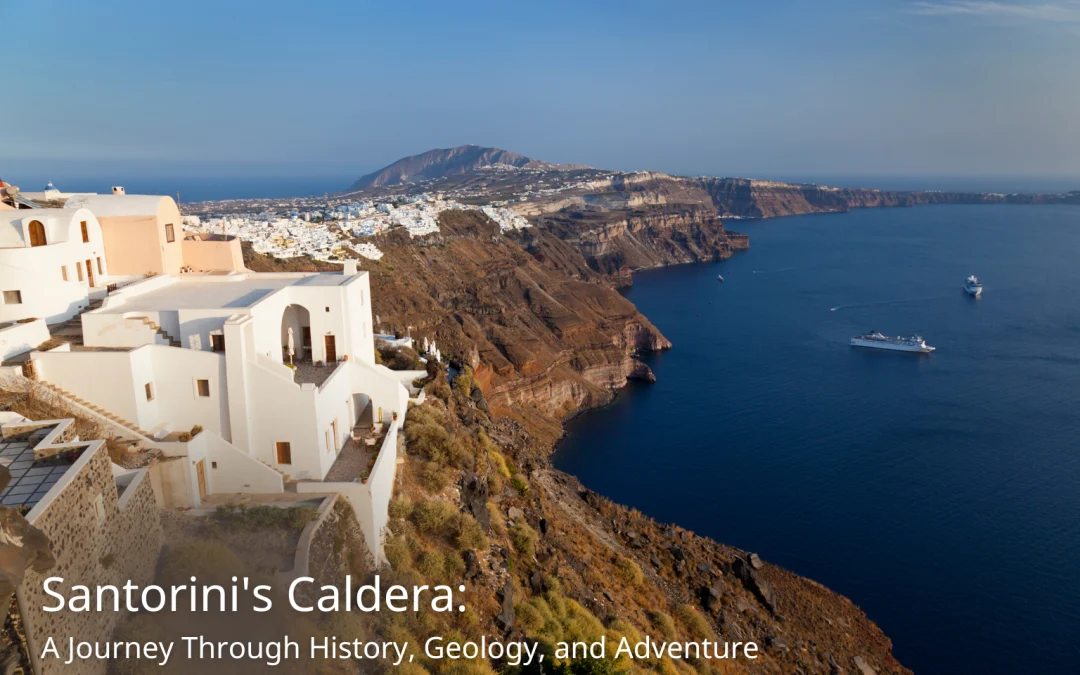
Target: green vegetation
629, 571
524, 539
464, 381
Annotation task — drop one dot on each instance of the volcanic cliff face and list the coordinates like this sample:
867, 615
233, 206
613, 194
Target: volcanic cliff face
450, 162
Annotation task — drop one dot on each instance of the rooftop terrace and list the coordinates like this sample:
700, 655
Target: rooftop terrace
207, 291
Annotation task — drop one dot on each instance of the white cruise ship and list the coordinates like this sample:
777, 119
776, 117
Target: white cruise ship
876, 340
973, 285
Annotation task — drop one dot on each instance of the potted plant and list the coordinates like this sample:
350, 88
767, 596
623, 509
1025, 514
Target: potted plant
364, 477
395, 416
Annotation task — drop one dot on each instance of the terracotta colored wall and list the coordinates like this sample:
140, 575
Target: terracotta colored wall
213, 255
172, 254
134, 244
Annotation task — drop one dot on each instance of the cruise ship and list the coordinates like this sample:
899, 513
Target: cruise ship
973, 285
876, 340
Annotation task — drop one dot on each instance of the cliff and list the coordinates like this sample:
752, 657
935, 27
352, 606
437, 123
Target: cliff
440, 163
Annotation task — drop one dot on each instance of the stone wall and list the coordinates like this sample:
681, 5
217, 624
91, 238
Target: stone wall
99, 537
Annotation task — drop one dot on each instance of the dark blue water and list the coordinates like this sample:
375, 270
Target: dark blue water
941, 493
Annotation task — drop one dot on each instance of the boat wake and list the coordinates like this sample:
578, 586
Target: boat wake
886, 302
785, 269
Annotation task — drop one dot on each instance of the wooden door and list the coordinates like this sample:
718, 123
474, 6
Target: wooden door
284, 452
90, 273
331, 349
37, 233
200, 471
334, 436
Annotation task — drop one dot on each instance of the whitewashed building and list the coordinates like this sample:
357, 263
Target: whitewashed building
172, 353
50, 260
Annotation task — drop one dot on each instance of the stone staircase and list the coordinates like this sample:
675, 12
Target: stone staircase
68, 396
173, 342
71, 330
288, 481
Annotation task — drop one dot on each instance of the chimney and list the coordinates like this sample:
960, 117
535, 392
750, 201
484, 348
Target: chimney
350, 268
118, 190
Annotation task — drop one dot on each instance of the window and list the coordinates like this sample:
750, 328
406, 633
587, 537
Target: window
284, 452
85, 232
170, 236
63, 272
149, 389
12, 297
99, 269
217, 342
203, 387
78, 268
328, 309
37, 233
213, 465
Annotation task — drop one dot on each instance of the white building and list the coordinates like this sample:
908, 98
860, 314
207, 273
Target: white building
171, 353
50, 259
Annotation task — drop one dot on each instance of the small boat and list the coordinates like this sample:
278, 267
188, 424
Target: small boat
719, 277
973, 286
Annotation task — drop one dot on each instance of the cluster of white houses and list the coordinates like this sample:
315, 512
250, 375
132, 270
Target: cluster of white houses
243, 382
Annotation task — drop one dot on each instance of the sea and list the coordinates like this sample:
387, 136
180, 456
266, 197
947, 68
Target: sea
941, 493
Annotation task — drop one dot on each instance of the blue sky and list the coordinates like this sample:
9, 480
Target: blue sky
833, 87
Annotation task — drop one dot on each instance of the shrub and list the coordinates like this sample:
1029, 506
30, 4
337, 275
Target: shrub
663, 622
196, 430
498, 524
499, 462
469, 533
400, 507
464, 381
524, 539
431, 565
453, 566
397, 554
434, 478
694, 623
629, 571
520, 484
435, 518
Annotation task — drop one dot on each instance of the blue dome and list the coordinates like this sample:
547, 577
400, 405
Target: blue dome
50, 186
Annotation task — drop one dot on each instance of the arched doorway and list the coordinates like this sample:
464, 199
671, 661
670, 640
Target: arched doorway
37, 233
298, 319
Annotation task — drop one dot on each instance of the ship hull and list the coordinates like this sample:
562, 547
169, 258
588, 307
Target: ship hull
890, 346
973, 291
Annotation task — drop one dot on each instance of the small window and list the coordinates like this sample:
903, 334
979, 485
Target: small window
213, 465
78, 268
328, 309
284, 452
99, 268
63, 272
85, 233
217, 342
149, 389
170, 236
204, 387
12, 297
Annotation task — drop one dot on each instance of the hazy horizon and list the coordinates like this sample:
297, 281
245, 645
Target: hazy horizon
840, 88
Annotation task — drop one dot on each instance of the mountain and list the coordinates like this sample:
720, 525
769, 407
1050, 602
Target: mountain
451, 161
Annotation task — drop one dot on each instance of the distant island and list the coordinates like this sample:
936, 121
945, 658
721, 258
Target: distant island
450, 162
